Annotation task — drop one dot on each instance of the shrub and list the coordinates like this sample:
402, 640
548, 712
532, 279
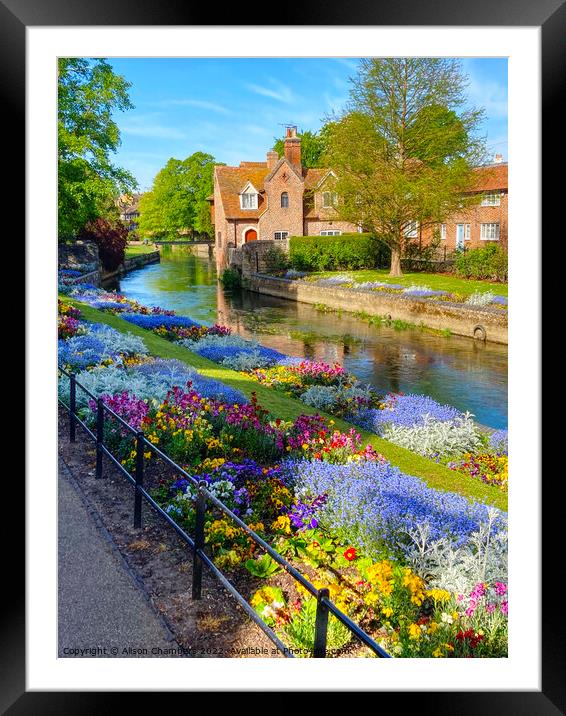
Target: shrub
231, 278
487, 262
111, 239
330, 253
276, 260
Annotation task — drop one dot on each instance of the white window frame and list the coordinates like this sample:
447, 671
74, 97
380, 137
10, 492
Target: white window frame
412, 230
252, 196
333, 199
491, 198
443, 232
484, 230
331, 232
282, 235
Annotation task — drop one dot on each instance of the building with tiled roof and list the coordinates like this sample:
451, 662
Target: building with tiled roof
273, 200
483, 223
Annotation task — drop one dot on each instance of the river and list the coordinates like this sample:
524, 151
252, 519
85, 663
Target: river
459, 371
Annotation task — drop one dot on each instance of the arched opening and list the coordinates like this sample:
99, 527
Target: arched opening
284, 200
250, 235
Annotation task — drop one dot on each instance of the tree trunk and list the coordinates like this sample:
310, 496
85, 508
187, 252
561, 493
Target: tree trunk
395, 269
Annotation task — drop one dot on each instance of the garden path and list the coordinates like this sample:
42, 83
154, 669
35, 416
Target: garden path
100, 603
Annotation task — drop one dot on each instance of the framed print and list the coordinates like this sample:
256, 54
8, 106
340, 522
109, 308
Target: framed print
282, 397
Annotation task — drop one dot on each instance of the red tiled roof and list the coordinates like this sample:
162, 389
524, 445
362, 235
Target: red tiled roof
231, 181
492, 176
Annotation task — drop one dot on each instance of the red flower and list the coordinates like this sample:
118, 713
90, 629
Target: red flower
350, 554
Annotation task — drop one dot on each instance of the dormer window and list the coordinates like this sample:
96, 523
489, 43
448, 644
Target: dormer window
329, 199
248, 197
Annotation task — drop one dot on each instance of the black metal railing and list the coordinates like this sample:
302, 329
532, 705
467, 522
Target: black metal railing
325, 606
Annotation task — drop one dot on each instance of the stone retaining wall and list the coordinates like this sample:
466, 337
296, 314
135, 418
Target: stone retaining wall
133, 262
475, 322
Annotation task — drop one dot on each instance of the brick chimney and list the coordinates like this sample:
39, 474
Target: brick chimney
498, 158
292, 145
272, 158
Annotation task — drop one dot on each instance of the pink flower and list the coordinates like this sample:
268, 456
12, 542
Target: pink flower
504, 607
490, 608
500, 588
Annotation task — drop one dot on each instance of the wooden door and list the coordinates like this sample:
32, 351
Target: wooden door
251, 235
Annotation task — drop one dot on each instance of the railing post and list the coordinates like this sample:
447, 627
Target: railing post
321, 625
72, 407
139, 479
199, 540
99, 437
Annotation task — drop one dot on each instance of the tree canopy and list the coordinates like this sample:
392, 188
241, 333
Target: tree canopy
405, 148
88, 182
177, 199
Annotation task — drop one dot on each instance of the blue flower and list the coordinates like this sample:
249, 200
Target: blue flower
150, 321
404, 410
374, 503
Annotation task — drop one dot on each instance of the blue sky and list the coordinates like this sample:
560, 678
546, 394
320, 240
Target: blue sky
234, 108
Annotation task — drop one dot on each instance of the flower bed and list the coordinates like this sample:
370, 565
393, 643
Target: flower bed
479, 298
422, 571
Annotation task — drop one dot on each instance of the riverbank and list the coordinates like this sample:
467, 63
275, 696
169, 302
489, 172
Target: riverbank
476, 322
132, 262
286, 408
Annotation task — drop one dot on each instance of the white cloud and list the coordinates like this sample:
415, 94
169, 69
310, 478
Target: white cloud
198, 103
277, 90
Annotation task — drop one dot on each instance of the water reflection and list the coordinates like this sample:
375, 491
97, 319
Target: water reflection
467, 374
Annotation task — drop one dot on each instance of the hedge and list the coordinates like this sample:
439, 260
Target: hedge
329, 253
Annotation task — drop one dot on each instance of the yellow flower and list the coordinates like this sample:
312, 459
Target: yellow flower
414, 632
387, 611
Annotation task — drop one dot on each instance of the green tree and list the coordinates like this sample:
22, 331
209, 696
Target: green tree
405, 148
312, 148
177, 200
88, 182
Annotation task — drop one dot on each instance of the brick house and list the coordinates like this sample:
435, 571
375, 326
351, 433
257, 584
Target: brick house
480, 224
272, 200
128, 205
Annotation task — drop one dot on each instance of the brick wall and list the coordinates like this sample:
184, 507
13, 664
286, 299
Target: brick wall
475, 216
276, 217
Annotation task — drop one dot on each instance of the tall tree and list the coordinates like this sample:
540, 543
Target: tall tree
405, 148
88, 94
177, 200
312, 148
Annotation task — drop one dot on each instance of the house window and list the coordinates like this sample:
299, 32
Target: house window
443, 232
489, 232
331, 232
279, 235
411, 230
466, 232
284, 200
491, 198
329, 199
248, 200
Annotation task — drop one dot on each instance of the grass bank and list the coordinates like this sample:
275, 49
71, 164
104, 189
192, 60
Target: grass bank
437, 476
436, 281
136, 250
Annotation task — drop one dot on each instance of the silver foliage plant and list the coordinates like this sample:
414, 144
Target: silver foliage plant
480, 298
246, 361
436, 438
328, 397
458, 569
114, 379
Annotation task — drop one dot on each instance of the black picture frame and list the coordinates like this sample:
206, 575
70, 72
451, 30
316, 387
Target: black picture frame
550, 15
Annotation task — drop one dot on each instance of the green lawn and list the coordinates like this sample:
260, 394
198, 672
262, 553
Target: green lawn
437, 281
437, 476
139, 250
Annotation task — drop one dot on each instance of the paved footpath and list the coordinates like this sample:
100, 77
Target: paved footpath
100, 604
